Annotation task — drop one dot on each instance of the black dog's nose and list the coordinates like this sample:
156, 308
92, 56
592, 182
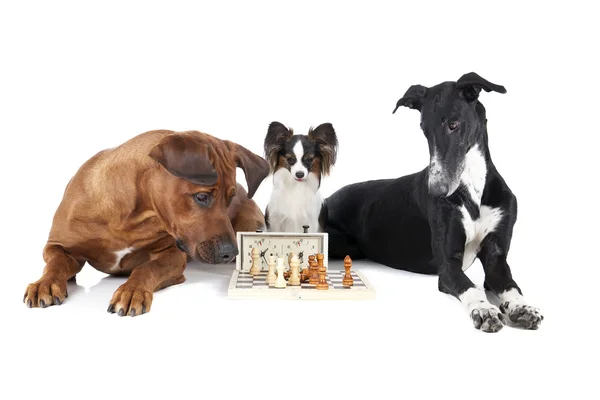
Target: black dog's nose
227, 251
299, 174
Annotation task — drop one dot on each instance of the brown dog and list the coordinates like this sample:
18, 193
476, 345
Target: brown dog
139, 208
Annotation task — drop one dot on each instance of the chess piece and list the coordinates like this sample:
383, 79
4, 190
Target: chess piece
288, 272
255, 261
321, 259
314, 270
280, 282
305, 227
295, 272
347, 281
322, 284
271, 275
304, 275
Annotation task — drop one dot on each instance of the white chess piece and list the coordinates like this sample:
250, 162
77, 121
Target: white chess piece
271, 275
280, 281
255, 261
295, 272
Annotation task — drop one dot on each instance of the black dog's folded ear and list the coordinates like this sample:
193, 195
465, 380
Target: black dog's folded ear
324, 135
277, 135
186, 157
471, 84
413, 98
255, 167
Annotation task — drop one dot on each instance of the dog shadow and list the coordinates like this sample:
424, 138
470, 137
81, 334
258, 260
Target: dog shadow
216, 276
93, 283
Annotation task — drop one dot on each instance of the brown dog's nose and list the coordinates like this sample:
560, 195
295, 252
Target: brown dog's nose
227, 250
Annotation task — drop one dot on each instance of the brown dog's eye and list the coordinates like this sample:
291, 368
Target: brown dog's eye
203, 199
453, 125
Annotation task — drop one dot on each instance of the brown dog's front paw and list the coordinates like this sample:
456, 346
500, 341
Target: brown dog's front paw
46, 292
130, 300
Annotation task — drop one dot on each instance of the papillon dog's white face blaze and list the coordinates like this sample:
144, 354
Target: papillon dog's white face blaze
299, 171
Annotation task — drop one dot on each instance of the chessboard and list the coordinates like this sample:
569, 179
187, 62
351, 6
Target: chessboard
246, 286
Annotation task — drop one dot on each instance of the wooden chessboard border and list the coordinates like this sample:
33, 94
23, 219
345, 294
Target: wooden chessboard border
366, 292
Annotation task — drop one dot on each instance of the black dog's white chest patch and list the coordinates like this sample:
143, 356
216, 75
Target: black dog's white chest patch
477, 225
476, 230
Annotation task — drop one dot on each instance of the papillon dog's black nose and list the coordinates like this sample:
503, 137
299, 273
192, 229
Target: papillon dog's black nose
299, 174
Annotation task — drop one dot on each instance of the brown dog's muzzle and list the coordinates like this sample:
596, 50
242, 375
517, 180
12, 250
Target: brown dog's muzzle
214, 251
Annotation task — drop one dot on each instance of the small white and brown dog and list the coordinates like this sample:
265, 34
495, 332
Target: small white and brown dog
298, 162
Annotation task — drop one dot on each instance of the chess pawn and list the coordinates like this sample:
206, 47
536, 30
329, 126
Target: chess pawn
347, 281
271, 275
314, 270
322, 284
280, 281
255, 261
295, 272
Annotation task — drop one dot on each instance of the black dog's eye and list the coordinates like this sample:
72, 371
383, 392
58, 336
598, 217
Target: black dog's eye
291, 160
203, 199
453, 125
443, 120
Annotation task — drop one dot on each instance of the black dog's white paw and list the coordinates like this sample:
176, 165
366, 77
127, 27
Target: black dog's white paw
527, 316
487, 319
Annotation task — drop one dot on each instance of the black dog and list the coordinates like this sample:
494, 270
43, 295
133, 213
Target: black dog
438, 220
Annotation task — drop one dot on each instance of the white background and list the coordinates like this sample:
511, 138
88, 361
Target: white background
77, 78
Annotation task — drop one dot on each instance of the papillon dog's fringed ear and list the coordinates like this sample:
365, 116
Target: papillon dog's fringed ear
324, 135
277, 136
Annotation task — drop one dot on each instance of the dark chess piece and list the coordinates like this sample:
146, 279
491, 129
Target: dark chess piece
314, 270
347, 281
322, 285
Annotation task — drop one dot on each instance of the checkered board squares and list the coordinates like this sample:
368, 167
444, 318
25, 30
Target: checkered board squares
334, 280
245, 286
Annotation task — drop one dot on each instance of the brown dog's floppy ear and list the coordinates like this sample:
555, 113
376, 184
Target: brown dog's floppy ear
471, 84
413, 98
324, 135
255, 167
186, 157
